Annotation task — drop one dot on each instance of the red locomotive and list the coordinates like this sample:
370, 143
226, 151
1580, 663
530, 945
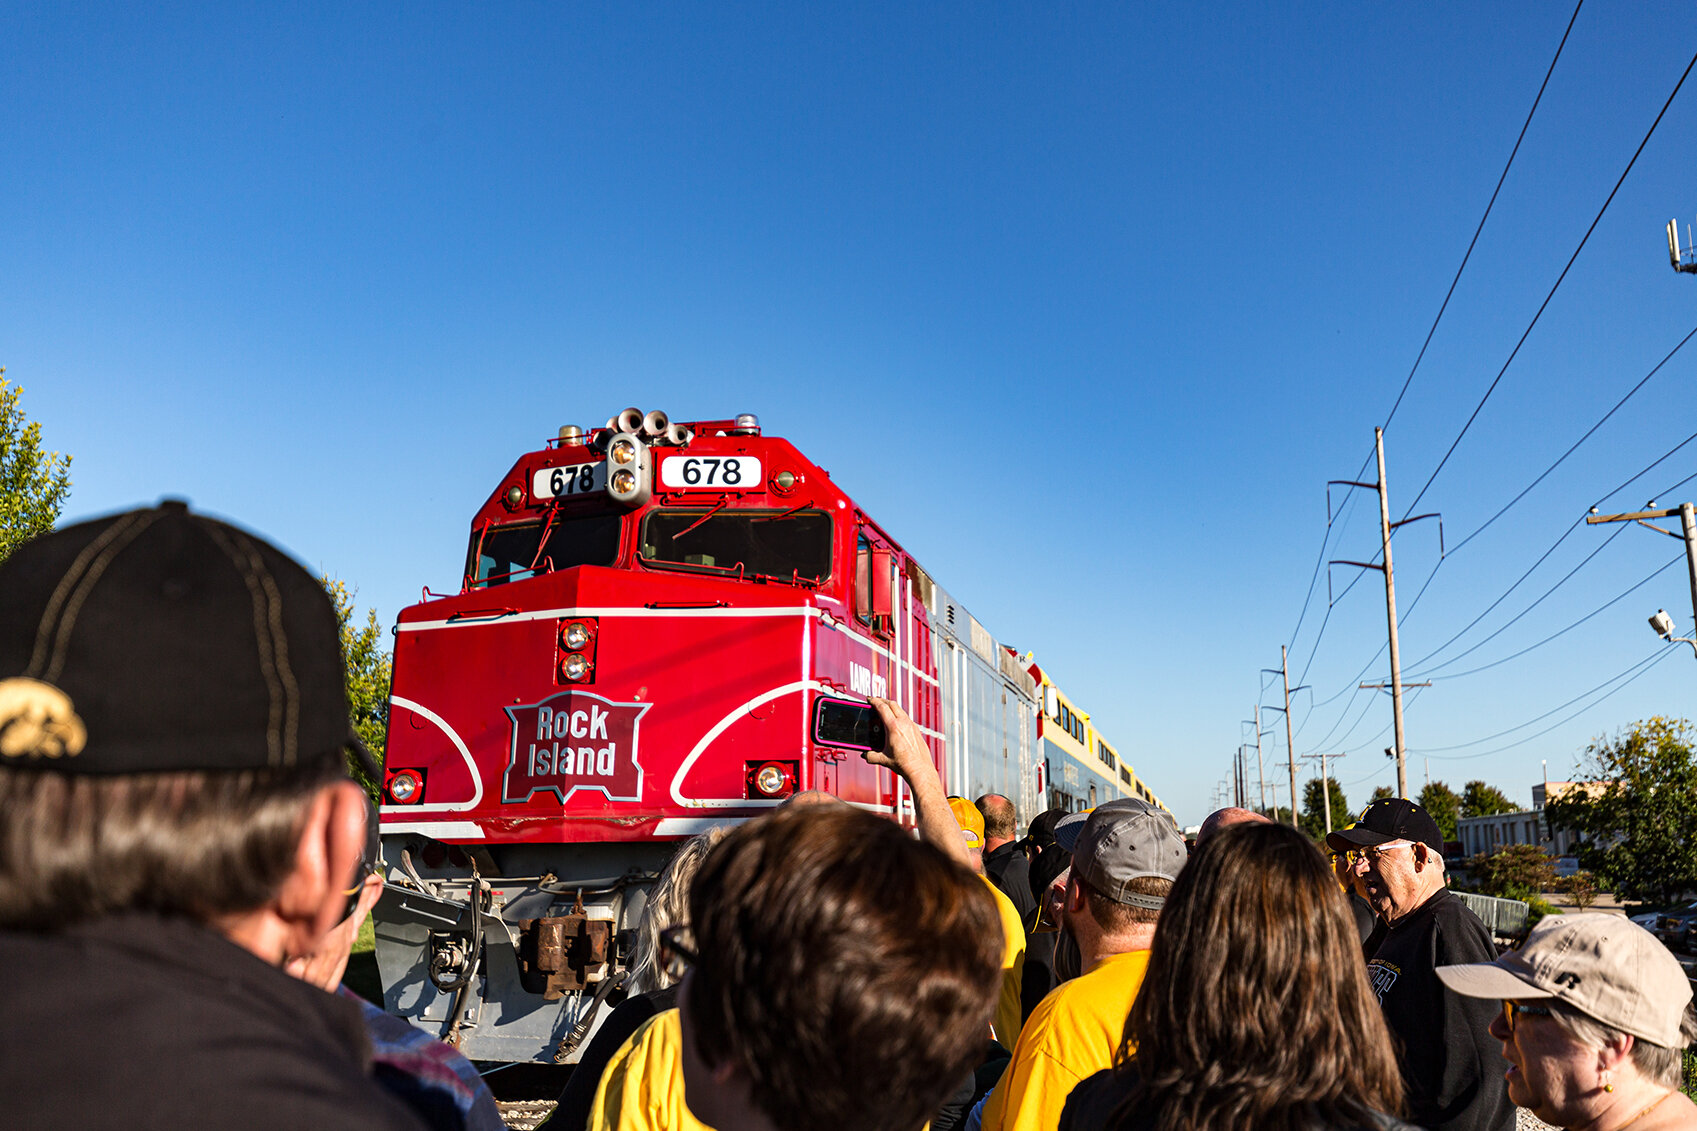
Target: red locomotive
651, 616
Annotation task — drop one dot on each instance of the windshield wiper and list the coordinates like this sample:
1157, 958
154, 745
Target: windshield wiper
716, 509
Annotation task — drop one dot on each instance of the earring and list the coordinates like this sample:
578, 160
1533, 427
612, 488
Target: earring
1607, 1087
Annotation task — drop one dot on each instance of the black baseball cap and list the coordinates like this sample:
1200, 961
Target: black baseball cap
159, 640
1393, 818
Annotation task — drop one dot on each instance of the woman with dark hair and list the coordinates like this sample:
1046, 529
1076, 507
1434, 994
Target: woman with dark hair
1256, 1010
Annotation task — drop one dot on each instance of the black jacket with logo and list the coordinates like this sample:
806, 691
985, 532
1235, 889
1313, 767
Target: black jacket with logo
1452, 1067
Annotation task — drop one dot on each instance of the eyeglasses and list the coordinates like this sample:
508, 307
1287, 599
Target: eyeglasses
353, 893
1372, 854
1511, 1010
676, 956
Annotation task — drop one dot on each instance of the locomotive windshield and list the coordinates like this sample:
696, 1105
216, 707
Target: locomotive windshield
512, 553
793, 546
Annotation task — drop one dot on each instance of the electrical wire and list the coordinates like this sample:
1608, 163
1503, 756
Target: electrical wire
1588, 434
1657, 572
1488, 206
1577, 523
1545, 304
1640, 668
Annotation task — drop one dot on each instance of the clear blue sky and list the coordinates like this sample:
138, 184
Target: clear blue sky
1084, 302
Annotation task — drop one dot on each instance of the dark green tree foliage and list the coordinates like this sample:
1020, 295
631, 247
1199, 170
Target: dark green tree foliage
1514, 871
1481, 800
1638, 815
1441, 801
369, 669
1313, 818
33, 483
1383, 793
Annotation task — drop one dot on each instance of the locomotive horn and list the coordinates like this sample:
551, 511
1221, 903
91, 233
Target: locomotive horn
654, 424
679, 434
630, 420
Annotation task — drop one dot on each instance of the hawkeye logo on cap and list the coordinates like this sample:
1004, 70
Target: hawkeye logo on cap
572, 741
37, 720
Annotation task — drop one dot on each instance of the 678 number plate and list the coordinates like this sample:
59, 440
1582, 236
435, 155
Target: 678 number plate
711, 473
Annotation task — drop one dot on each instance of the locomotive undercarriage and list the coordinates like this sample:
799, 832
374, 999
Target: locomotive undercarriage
509, 951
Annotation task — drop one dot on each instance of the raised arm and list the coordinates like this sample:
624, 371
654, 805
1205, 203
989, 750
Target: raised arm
907, 754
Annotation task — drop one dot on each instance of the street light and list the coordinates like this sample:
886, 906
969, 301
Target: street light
1663, 624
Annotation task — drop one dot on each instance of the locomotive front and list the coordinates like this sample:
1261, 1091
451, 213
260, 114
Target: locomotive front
631, 659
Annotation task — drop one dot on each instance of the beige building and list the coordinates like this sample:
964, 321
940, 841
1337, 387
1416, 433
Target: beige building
1527, 826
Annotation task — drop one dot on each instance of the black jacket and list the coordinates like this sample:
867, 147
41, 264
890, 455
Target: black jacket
141, 1022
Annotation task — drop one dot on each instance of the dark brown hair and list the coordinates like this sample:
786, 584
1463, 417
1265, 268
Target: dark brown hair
846, 968
74, 847
1256, 1011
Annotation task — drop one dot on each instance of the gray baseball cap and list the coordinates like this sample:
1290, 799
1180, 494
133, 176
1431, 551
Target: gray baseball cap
1605, 966
1121, 841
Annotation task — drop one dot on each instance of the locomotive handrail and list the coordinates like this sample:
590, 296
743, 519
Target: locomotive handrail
483, 614
686, 605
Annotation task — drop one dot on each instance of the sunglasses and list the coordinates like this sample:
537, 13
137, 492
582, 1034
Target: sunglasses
1512, 1010
676, 956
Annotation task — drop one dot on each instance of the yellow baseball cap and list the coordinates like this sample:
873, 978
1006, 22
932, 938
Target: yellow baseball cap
970, 820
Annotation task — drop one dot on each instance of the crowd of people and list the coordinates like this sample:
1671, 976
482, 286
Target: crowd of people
183, 864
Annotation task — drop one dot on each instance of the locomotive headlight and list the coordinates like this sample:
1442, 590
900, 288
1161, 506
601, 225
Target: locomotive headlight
774, 779
622, 451
575, 636
405, 786
623, 481
574, 667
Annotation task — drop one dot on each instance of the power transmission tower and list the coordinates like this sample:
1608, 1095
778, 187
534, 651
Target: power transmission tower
1385, 528
1687, 513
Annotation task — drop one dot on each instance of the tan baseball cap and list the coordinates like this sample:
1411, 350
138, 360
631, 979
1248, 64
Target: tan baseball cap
1605, 966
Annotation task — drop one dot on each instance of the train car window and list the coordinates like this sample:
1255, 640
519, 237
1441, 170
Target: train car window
863, 580
500, 554
786, 546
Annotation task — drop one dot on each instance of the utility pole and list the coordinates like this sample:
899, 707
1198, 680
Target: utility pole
1687, 513
1385, 528
1259, 771
1290, 739
1283, 670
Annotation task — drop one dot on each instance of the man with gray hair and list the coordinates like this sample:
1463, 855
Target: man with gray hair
1125, 855
1451, 1067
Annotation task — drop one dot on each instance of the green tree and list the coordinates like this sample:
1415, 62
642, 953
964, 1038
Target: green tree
1383, 793
369, 670
1313, 818
1638, 811
1514, 871
1481, 800
1441, 801
1581, 889
33, 483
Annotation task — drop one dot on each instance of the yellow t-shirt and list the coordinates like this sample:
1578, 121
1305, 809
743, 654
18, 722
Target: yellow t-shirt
1006, 1022
1073, 1033
642, 1088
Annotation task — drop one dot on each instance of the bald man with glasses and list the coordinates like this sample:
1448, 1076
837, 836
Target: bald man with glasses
1454, 1076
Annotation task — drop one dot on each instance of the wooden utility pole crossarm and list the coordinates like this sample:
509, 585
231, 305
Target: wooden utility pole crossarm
1687, 513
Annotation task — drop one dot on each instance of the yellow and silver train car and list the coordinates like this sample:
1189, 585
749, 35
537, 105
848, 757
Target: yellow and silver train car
1080, 768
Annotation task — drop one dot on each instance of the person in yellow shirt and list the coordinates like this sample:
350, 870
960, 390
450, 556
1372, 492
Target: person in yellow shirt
643, 1086
1008, 1012
1126, 855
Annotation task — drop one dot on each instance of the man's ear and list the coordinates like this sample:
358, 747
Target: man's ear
1075, 899
327, 852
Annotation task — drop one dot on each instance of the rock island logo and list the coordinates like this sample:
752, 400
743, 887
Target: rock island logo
572, 741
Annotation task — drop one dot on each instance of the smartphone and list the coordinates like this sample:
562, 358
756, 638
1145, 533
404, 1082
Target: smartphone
848, 722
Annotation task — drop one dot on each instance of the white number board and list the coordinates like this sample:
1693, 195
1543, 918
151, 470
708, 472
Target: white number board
711, 473
572, 479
